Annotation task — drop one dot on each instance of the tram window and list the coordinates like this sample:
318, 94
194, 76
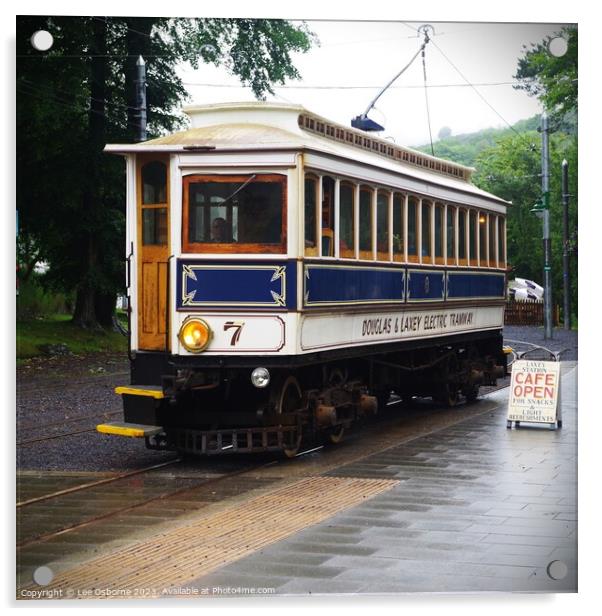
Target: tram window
462, 236
154, 183
501, 243
472, 236
365, 223
451, 235
439, 233
311, 187
154, 226
492, 255
426, 232
483, 238
328, 186
346, 218
382, 226
412, 231
235, 213
398, 233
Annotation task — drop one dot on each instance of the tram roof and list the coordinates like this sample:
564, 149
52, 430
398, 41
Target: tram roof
261, 126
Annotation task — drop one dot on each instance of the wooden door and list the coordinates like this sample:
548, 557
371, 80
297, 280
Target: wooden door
153, 252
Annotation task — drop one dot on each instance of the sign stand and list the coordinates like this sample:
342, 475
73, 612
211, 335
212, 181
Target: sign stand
535, 393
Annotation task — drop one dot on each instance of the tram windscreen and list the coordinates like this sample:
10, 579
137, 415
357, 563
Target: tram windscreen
235, 211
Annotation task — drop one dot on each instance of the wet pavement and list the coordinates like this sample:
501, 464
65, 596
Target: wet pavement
478, 508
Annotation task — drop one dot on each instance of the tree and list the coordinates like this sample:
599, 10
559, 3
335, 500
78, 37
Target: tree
80, 95
511, 169
551, 79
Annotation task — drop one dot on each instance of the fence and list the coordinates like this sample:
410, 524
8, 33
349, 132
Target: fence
527, 312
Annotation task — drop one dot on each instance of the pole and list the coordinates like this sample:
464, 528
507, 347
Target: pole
545, 188
140, 85
565, 245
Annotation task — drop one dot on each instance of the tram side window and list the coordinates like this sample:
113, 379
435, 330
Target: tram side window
398, 230
235, 213
501, 241
346, 217
426, 232
472, 236
311, 188
451, 235
483, 238
154, 204
412, 229
462, 236
365, 223
382, 226
492, 255
439, 233
328, 187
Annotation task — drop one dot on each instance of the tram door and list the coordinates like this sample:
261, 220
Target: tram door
153, 252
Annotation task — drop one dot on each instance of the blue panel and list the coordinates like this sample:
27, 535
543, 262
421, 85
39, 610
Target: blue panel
208, 284
462, 285
426, 285
337, 285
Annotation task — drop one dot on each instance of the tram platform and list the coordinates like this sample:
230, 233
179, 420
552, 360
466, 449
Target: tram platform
474, 507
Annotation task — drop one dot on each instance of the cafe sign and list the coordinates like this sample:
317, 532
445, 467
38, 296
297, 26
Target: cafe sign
534, 392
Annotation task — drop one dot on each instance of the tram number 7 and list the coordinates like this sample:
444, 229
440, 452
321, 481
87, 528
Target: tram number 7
237, 327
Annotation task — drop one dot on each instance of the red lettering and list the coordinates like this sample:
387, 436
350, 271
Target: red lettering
549, 392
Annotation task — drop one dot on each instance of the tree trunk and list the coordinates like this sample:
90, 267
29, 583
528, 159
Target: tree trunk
85, 308
105, 308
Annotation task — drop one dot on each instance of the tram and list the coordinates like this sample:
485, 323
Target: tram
287, 273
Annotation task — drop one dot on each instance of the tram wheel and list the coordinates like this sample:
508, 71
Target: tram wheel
471, 393
289, 400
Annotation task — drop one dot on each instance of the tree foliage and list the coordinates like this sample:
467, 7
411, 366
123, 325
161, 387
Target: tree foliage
553, 80
80, 95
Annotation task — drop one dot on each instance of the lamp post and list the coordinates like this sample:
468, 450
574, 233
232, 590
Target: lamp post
547, 253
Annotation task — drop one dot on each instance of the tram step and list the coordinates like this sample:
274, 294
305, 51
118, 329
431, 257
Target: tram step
119, 428
150, 391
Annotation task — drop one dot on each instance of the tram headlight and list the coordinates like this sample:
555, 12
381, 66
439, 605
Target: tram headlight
260, 377
195, 335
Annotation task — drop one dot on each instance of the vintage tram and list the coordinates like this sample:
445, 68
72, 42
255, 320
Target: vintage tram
287, 273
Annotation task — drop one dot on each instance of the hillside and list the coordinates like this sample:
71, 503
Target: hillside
465, 148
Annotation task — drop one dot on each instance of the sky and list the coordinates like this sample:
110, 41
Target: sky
355, 59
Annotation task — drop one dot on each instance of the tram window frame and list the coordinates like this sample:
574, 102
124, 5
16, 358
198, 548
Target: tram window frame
501, 234
233, 247
153, 218
347, 252
398, 227
426, 232
366, 254
473, 234
463, 236
413, 203
310, 231
382, 240
483, 247
327, 226
451, 213
439, 233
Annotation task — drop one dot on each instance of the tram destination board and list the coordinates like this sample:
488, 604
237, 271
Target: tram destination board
534, 392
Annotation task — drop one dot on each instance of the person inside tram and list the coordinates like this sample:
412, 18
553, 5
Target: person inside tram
219, 230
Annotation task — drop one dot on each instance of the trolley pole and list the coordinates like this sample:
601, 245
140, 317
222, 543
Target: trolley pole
140, 85
545, 188
565, 244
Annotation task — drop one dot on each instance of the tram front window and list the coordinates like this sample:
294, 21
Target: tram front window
234, 213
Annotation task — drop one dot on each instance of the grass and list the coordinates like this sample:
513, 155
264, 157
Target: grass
58, 329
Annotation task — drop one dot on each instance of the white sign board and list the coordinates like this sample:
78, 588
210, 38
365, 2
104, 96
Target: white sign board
534, 391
